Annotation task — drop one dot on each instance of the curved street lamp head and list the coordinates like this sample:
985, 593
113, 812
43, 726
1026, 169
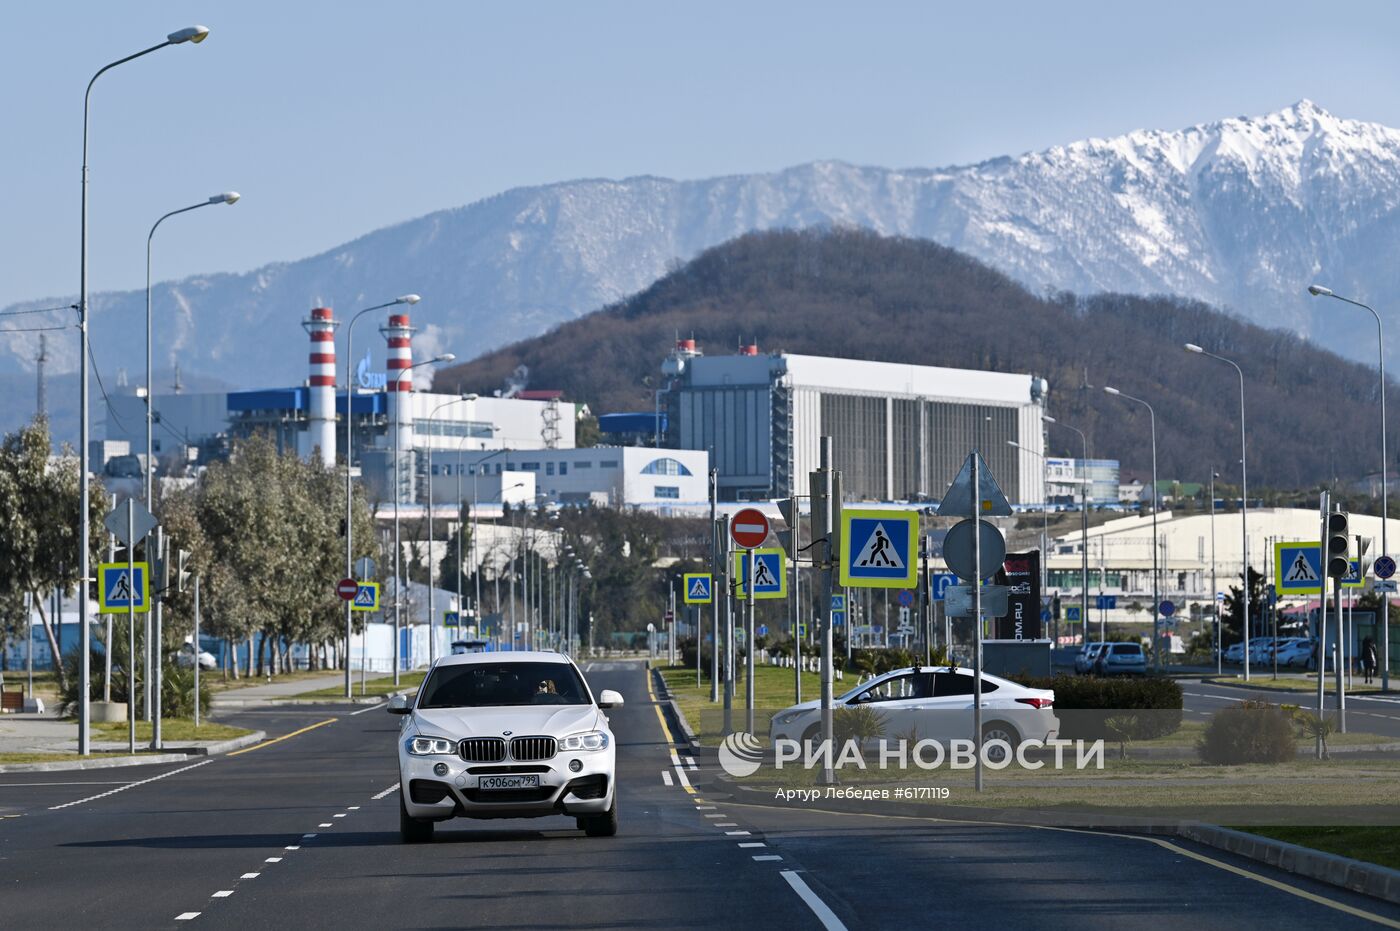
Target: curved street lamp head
407, 299
227, 197
445, 357
195, 34
1112, 391
1317, 290
1192, 347
1048, 419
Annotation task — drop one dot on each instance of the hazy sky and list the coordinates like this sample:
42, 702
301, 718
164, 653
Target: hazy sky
336, 118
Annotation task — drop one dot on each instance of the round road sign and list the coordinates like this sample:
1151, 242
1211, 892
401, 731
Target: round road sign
346, 589
1384, 567
906, 597
1167, 609
958, 548
749, 528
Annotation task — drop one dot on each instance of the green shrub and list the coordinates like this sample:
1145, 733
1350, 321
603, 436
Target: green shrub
1084, 705
177, 682
1250, 732
860, 723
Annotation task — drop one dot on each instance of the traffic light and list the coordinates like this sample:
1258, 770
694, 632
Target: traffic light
790, 517
1363, 564
1338, 545
183, 572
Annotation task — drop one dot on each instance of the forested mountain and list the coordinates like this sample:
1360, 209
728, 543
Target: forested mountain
1312, 416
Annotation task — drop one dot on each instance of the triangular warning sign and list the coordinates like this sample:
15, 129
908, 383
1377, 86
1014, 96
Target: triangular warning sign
121, 589
699, 588
365, 596
1301, 570
958, 501
879, 551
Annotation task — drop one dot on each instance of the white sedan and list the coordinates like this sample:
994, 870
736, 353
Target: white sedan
505, 735
935, 703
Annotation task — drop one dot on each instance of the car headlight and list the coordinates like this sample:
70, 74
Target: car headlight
426, 746
787, 717
589, 740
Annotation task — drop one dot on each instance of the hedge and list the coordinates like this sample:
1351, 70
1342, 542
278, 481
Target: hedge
1084, 703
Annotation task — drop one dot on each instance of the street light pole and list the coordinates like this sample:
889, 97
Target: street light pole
194, 34
1214, 590
432, 644
1083, 525
228, 197
1319, 291
1044, 516
1244, 504
398, 547
1156, 571
349, 460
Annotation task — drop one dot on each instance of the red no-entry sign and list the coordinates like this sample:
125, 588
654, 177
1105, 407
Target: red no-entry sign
346, 588
749, 528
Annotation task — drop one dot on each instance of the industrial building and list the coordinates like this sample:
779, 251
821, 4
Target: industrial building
900, 432
661, 480
1066, 478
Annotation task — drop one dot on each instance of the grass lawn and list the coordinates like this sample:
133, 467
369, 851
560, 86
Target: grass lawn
381, 686
1292, 683
217, 682
1379, 845
170, 729
61, 757
773, 691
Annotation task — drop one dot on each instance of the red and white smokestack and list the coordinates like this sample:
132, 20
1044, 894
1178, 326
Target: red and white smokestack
319, 438
399, 336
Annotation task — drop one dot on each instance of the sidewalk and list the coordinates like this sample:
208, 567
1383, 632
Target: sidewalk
273, 693
44, 733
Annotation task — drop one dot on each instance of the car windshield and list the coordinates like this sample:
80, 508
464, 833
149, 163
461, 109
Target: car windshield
1121, 648
483, 685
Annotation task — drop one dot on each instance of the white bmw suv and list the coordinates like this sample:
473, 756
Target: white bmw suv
505, 735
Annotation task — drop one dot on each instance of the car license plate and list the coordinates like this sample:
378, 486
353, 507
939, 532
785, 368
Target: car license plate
509, 782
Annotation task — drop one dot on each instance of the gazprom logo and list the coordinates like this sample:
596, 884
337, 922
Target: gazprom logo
368, 379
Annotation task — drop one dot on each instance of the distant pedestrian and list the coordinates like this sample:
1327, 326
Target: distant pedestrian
1368, 659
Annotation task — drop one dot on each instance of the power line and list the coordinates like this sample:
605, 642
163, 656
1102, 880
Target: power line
111, 408
37, 310
36, 329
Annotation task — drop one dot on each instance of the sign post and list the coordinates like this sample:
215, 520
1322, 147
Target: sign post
749, 528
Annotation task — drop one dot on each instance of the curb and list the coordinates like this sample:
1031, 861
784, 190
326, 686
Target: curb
665, 695
1331, 689
173, 755
225, 746
1366, 878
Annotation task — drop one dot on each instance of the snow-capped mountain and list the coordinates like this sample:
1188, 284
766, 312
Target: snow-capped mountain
1243, 213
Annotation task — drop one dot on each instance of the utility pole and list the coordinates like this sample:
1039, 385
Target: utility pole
728, 632
977, 623
826, 515
196, 651
750, 647
795, 604
715, 588
1321, 620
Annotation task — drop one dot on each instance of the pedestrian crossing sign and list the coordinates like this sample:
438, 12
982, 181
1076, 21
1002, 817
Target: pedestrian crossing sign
879, 549
116, 587
698, 586
1297, 568
366, 597
1354, 578
770, 573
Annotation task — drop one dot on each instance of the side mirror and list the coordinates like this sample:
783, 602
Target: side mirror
609, 699
400, 704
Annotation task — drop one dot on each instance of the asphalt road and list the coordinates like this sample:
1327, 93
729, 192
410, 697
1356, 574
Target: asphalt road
303, 832
1372, 714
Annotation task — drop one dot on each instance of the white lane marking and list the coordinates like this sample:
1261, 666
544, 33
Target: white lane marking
767, 857
675, 757
307, 836
341, 815
353, 808
690, 763
752, 843
727, 824
375, 798
680, 774
325, 824
293, 847
273, 860
13, 785
222, 894
370, 708
819, 908
1211, 697
129, 785
737, 833
714, 816
666, 777
187, 916
250, 876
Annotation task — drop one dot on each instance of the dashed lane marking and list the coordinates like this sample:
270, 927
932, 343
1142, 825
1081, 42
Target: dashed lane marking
714, 816
765, 858
222, 894
250, 876
293, 847
737, 833
666, 777
819, 908
727, 824
278, 740
370, 708
375, 798
130, 785
753, 843
325, 824
341, 815
273, 860
187, 916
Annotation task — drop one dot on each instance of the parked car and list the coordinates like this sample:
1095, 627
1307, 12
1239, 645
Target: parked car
185, 658
1235, 652
935, 703
1296, 652
1084, 659
505, 735
1120, 659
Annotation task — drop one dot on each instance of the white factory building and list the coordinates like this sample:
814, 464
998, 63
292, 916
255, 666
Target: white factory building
900, 432
661, 480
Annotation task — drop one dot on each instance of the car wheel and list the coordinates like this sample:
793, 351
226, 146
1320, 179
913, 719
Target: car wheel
413, 830
812, 734
1000, 730
604, 825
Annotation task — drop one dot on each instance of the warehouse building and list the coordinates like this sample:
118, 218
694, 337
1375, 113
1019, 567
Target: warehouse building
900, 432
